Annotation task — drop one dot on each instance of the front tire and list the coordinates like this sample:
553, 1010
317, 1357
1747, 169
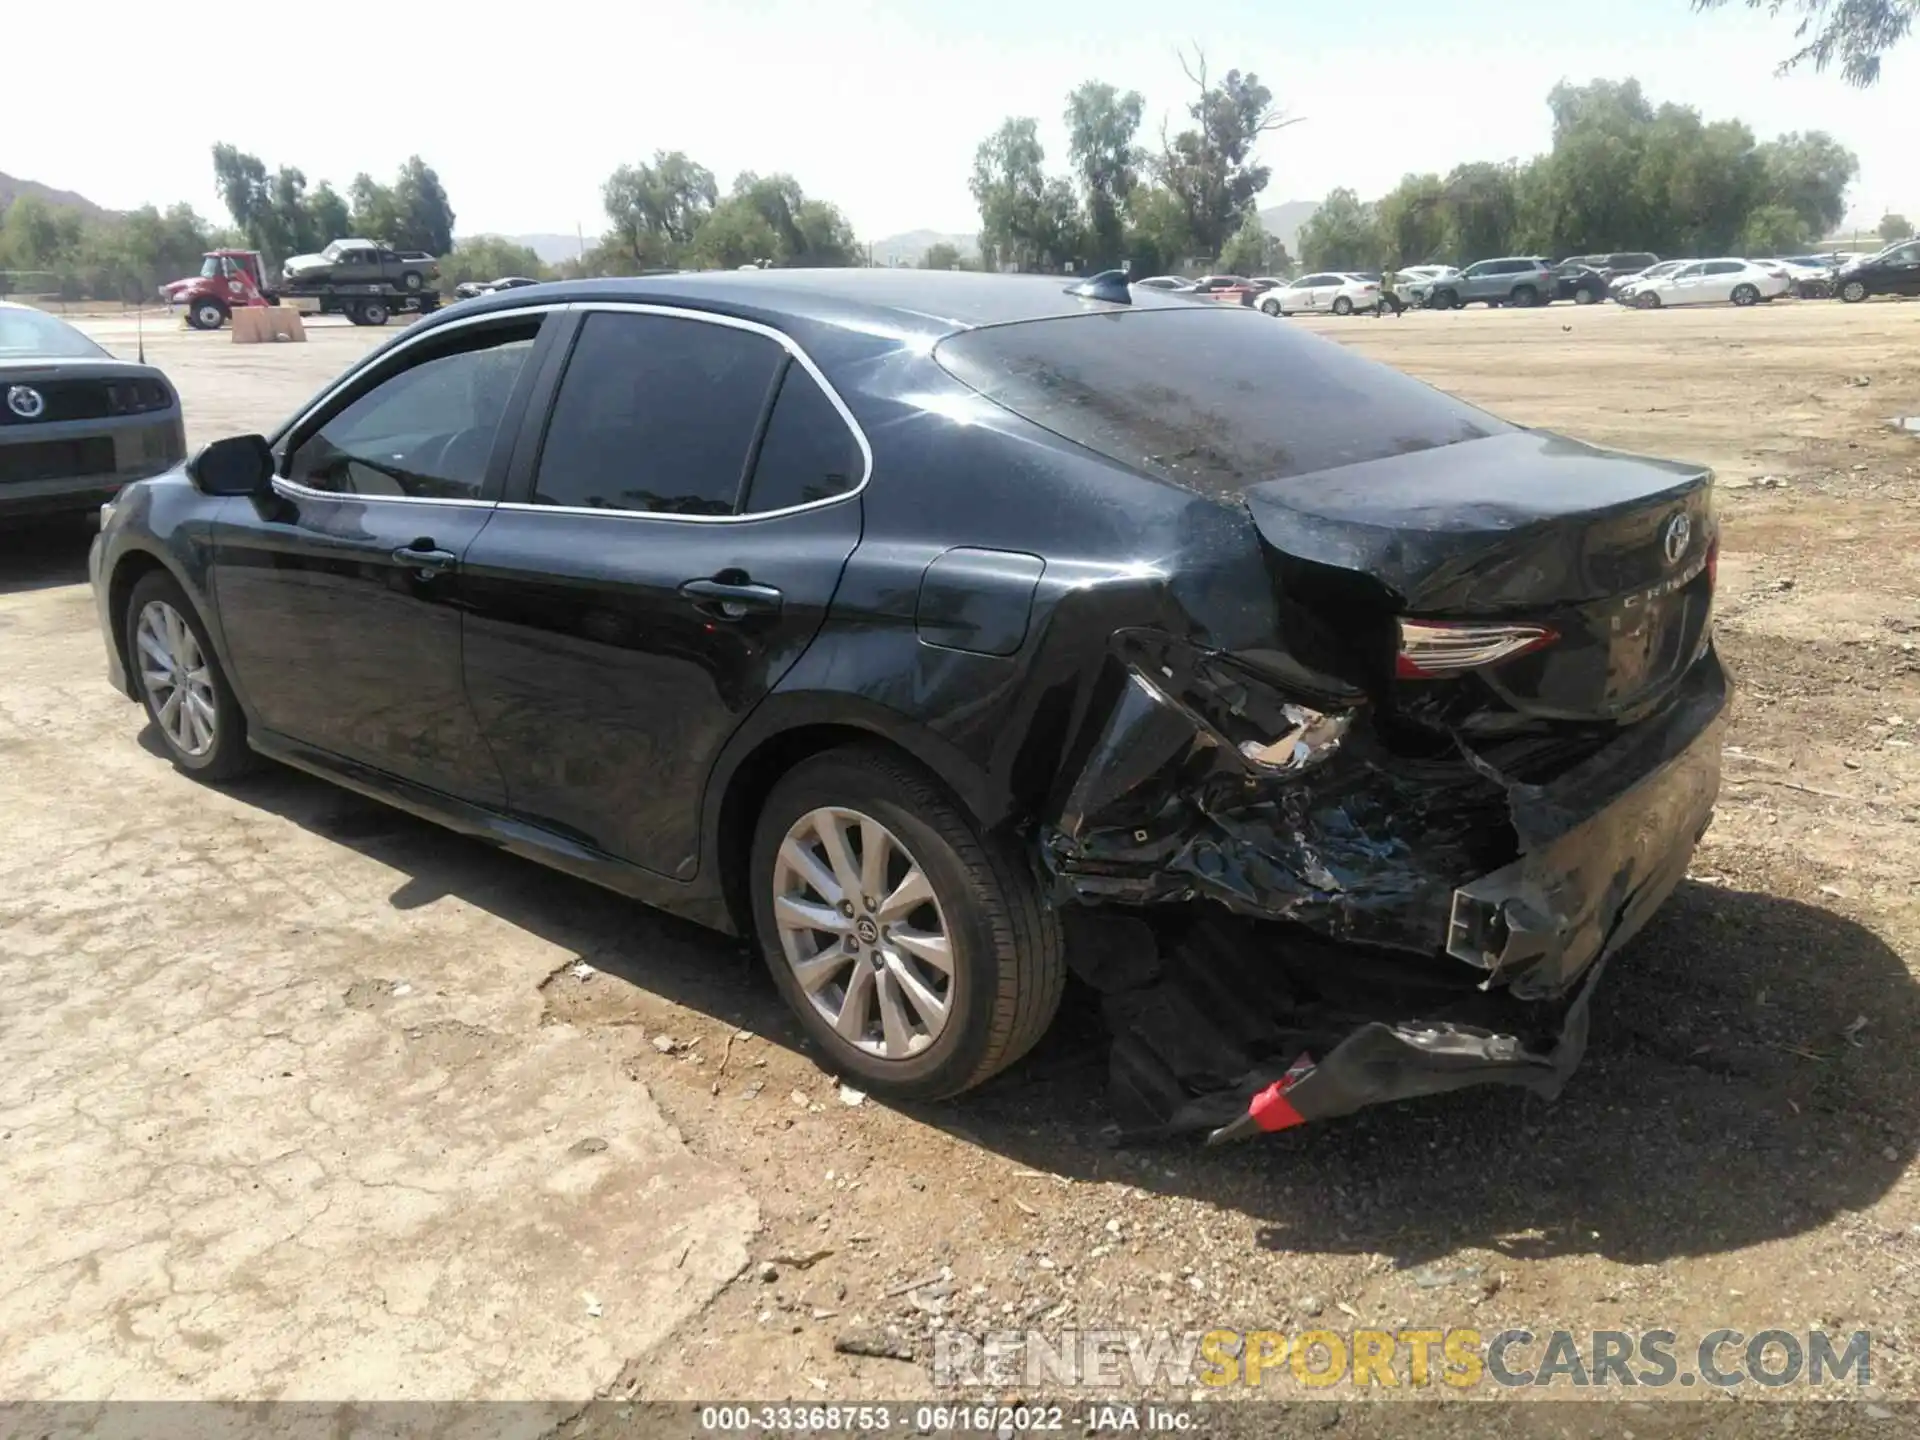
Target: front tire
1853, 292
1270, 307
181, 684
915, 952
372, 312
1646, 300
206, 315
1442, 300
1342, 305
1744, 295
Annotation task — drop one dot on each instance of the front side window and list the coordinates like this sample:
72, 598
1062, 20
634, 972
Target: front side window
656, 413
425, 433
1687, 272
210, 268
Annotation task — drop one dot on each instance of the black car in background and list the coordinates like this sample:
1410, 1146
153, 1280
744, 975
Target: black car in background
75, 423
1894, 271
1614, 264
1582, 284
942, 630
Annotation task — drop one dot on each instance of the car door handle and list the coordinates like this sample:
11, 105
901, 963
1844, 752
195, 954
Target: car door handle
732, 599
426, 558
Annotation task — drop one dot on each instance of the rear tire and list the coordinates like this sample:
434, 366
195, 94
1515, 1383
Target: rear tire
1342, 305
1584, 296
1003, 946
1744, 295
1525, 296
372, 312
172, 665
410, 280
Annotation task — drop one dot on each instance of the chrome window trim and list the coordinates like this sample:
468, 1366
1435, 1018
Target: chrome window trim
293, 489
732, 322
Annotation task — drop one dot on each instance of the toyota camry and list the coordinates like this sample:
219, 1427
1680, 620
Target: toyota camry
944, 631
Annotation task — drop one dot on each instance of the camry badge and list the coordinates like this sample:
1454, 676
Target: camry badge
1679, 532
26, 402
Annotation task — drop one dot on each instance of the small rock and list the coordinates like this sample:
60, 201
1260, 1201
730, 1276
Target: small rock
592, 1145
593, 1306
1876, 1412
768, 1272
1858, 468
798, 1097
1434, 1277
1889, 1153
1785, 582
851, 1096
743, 1034
1311, 1305
888, 1344
582, 971
665, 1044
751, 1090
1860, 381
1113, 1227
403, 988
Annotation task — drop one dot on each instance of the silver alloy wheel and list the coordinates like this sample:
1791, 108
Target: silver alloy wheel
178, 683
864, 933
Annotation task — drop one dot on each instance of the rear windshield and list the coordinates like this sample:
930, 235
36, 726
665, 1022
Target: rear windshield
34, 333
1212, 400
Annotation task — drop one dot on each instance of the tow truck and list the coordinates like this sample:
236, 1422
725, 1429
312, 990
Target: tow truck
233, 279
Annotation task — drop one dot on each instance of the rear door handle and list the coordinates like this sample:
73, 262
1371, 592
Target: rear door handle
426, 559
732, 599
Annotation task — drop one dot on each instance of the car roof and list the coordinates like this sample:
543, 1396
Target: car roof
928, 303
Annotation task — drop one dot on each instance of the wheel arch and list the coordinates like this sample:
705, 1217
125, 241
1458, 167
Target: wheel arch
784, 735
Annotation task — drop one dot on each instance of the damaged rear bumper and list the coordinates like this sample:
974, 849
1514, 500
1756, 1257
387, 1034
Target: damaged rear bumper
1470, 914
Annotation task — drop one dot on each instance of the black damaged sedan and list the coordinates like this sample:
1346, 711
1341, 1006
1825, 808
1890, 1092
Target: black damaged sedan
917, 623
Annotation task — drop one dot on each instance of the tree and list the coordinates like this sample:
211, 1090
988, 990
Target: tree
1772, 229
1809, 174
331, 218
1479, 210
1411, 220
940, 256
1009, 186
1250, 250
1343, 234
423, 214
489, 257
376, 209
1856, 32
1895, 227
656, 209
1210, 167
768, 219
1158, 240
1101, 124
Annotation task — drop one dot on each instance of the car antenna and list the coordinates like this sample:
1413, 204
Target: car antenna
140, 331
1108, 285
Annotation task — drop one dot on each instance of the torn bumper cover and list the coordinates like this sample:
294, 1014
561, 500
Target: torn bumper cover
1446, 922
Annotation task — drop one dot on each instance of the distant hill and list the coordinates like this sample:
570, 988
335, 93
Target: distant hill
1283, 222
12, 188
907, 249
551, 249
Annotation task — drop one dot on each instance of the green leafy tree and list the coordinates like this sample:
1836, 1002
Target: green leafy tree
1101, 125
1895, 227
941, 256
656, 209
769, 220
332, 219
1010, 187
1412, 223
1809, 173
272, 209
1250, 250
1158, 238
1343, 234
423, 214
1210, 166
489, 257
1479, 210
1772, 229
1857, 33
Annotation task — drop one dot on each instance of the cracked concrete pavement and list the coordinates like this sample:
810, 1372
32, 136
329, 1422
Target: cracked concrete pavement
269, 1128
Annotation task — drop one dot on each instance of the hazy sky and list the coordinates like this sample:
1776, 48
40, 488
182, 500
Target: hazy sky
876, 106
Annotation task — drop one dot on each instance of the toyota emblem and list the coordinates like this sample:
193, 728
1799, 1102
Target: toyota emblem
1679, 532
26, 402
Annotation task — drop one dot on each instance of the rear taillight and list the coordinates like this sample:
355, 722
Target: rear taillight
1430, 649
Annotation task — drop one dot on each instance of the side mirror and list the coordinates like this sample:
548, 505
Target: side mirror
238, 465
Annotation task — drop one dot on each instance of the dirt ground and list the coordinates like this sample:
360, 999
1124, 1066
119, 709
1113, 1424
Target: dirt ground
1736, 1150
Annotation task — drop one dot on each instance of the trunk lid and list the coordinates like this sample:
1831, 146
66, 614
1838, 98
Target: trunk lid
1610, 555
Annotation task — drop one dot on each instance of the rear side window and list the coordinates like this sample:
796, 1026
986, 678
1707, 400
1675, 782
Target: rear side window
656, 414
808, 453
1210, 400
